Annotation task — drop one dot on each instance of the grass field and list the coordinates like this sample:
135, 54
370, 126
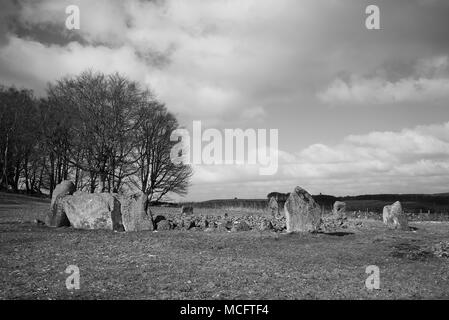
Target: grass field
216, 265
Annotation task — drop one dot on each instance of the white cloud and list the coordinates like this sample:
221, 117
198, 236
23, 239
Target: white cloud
417, 150
32, 62
430, 83
188, 53
410, 160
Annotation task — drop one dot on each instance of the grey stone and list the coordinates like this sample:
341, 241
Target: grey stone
339, 208
164, 225
56, 217
224, 225
186, 210
273, 206
266, 225
394, 217
136, 213
93, 211
302, 213
240, 226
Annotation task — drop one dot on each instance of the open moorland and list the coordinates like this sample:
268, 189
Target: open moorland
216, 265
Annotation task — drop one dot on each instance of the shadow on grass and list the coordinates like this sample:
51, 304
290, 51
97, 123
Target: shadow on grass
338, 233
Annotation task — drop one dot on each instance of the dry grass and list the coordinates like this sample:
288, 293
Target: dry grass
200, 265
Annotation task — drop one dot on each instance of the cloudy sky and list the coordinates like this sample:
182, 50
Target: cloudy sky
358, 111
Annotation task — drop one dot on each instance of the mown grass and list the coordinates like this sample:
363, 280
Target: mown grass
217, 265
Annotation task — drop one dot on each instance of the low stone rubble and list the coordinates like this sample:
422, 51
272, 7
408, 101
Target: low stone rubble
131, 212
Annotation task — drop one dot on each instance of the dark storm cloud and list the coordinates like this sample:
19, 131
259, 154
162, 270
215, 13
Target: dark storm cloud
8, 17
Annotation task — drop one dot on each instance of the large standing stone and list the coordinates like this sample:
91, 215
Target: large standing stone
93, 211
394, 217
136, 214
56, 217
302, 213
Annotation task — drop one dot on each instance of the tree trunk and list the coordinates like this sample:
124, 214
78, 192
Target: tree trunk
52, 174
25, 170
17, 175
4, 180
92, 182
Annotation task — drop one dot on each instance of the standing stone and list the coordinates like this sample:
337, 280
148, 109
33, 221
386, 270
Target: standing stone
186, 210
302, 213
56, 217
136, 214
394, 217
273, 206
339, 214
339, 209
93, 211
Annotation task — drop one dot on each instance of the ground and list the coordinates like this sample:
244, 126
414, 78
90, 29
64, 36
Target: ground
216, 265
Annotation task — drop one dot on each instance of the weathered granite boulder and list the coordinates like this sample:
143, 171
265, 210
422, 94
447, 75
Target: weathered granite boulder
394, 217
136, 214
93, 211
56, 216
302, 213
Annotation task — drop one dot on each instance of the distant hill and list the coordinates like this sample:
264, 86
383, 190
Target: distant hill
370, 202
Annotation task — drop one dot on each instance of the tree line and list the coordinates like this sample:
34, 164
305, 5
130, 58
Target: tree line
104, 132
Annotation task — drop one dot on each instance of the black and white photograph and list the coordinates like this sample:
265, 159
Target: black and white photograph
222, 152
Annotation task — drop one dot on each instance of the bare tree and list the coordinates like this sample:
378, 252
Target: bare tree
102, 131
157, 174
17, 134
104, 111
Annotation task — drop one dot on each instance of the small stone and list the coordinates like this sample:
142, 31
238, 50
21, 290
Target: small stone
224, 225
164, 225
240, 226
266, 225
